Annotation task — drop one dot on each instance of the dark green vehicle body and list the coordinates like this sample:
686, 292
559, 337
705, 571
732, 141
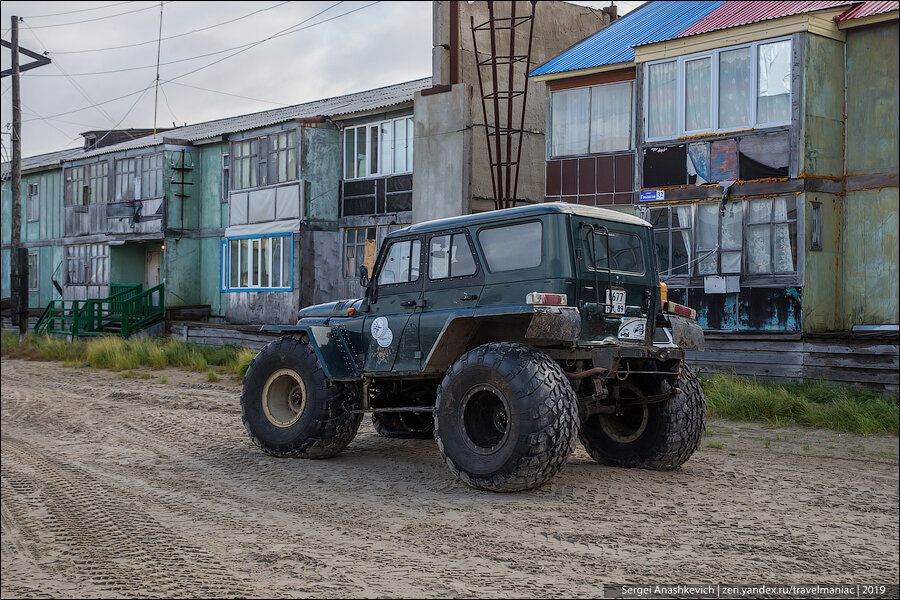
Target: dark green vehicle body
435, 309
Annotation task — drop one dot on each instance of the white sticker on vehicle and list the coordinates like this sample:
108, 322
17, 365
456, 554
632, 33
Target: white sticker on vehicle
633, 329
382, 332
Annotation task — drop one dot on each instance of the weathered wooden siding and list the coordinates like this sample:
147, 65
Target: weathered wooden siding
213, 334
822, 286
320, 170
861, 359
822, 120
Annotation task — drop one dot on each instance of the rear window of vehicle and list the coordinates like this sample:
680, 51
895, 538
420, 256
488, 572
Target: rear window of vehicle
512, 247
626, 254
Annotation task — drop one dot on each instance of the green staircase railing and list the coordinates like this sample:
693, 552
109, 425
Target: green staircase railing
127, 310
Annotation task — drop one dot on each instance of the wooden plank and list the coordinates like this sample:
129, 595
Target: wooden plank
866, 376
873, 349
783, 358
763, 371
751, 346
849, 360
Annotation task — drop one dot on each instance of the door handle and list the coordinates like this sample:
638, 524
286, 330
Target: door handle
408, 303
467, 297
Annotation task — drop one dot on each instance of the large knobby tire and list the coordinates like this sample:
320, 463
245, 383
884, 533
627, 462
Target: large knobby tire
404, 425
506, 417
290, 408
659, 436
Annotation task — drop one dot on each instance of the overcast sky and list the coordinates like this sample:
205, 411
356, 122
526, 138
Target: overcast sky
216, 62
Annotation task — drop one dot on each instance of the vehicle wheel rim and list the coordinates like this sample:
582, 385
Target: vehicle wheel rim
284, 398
418, 422
626, 427
484, 419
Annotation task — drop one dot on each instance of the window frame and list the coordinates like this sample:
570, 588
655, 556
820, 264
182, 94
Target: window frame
404, 286
286, 238
33, 198
226, 176
681, 82
140, 167
631, 129
443, 282
257, 160
381, 232
695, 279
385, 160
34, 271
86, 258
591, 265
487, 264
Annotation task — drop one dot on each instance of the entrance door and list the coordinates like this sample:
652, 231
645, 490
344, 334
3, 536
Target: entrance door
390, 332
154, 263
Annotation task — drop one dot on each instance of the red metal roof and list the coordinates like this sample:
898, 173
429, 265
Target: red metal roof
735, 13
867, 9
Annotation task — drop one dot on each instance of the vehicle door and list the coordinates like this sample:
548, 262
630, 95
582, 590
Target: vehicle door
453, 283
613, 279
390, 331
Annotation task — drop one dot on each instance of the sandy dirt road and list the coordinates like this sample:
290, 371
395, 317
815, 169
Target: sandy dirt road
129, 487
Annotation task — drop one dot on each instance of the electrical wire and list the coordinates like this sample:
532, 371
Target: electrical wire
172, 80
197, 87
99, 18
243, 47
171, 37
72, 12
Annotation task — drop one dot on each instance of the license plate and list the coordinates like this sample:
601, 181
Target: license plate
615, 301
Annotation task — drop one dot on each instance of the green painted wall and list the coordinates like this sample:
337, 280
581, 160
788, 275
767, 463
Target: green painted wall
181, 256
320, 167
871, 257
822, 285
213, 215
822, 121
872, 99
128, 263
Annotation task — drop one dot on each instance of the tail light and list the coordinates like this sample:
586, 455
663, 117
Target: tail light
543, 299
682, 311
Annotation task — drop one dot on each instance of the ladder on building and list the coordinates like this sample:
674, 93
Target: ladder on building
127, 310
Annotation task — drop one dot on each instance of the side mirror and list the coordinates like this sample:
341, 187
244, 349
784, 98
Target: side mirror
363, 276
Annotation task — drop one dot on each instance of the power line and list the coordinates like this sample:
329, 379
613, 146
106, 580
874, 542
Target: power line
72, 12
128, 12
171, 37
197, 87
279, 34
243, 47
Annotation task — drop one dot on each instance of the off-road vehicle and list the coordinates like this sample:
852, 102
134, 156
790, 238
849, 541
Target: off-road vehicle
505, 336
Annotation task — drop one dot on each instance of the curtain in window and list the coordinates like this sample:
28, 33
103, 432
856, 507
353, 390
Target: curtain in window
611, 117
697, 94
707, 238
774, 74
681, 252
662, 92
735, 88
570, 118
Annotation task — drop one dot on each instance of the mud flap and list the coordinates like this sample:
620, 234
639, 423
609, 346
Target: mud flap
686, 333
554, 324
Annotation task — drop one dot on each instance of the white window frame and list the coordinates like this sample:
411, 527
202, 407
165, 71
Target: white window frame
385, 166
226, 176
254, 284
714, 91
33, 208
631, 141
258, 163
34, 271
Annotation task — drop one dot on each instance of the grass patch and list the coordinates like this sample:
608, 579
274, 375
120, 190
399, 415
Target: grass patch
211, 376
135, 375
714, 445
118, 354
813, 404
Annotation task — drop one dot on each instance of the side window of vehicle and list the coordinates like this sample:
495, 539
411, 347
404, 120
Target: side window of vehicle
450, 256
625, 252
512, 247
401, 263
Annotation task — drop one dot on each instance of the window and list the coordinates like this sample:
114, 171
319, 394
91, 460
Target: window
591, 119
450, 256
87, 264
378, 149
753, 237
512, 247
723, 90
401, 264
266, 160
356, 242
226, 176
258, 263
625, 253
815, 225
672, 238
87, 184
772, 235
33, 272
32, 204
139, 178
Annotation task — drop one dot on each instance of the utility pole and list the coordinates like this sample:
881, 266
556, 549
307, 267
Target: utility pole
18, 284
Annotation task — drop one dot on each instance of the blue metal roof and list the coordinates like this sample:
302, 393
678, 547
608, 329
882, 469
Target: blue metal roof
651, 23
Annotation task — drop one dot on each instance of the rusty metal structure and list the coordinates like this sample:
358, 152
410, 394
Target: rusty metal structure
504, 135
